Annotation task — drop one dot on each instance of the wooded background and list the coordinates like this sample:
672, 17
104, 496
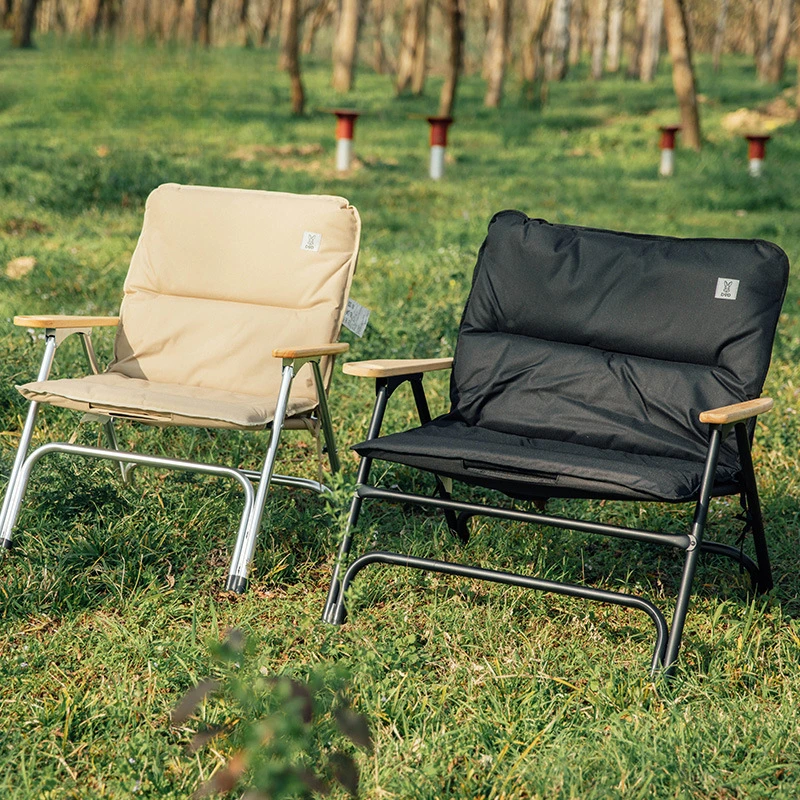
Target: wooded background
538, 39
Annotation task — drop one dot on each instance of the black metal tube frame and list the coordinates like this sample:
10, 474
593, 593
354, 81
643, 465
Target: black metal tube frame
667, 639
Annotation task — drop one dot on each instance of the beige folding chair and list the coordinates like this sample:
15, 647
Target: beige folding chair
230, 292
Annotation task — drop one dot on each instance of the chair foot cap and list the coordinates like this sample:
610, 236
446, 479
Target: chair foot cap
5, 544
236, 583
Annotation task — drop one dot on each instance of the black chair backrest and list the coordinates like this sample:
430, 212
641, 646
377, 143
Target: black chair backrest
614, 340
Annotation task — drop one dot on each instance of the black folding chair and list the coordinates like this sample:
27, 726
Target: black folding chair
591, 364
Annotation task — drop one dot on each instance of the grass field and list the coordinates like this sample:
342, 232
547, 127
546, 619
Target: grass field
111, 603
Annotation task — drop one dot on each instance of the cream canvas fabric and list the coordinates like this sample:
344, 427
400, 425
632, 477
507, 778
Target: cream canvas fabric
219, 278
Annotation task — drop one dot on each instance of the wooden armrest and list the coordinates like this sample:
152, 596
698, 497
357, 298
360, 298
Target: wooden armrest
390, 367
64, 321
737, 412
309, 352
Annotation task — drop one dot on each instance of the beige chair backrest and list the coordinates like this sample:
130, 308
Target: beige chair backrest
220, 277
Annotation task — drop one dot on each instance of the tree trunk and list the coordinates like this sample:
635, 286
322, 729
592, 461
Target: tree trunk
597, 36
270, 19
635, 58
578, 22
538, 21
683, 81
420, 70
557, 42
499, 24
412, 40
24, 23
290, 57
616, 17
244, 25
455, 13
719, 33
651, 43
201, 24
379, 60
780, 42
323, 11
345, 45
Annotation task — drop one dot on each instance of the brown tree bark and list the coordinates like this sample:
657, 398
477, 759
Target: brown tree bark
271, 19
455, 14
290, 56
497, 47
683, 80
616, 16
598, 17
415, 18
245, 38
323, 12
780, 43
201, 24
537, 23
380, 62
578, 25
24, 23
345, 45
420, 68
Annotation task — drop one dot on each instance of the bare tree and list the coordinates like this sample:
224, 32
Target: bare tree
651, 41
497, 46
24, 23
420, 68
683, 80
616, 16
719, 33
537, 23
290, 57
345, 44
244, 24
412, 42
772, 59
455, 13
578, 25
557, 41
201, 24
379, 59
598, 15
323, 11
271, 19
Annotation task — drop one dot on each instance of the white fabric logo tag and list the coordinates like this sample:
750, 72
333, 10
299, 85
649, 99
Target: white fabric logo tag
356, 318
311, 241
727, 289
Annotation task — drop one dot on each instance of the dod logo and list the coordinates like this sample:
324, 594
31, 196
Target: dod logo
311, 241
727, 289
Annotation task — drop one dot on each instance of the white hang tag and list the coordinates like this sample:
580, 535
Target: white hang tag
356, 317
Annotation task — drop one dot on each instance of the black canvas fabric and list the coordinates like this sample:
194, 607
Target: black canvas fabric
585, 357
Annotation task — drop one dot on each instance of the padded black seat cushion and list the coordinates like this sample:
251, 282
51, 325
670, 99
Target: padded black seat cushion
525, 467
584, 358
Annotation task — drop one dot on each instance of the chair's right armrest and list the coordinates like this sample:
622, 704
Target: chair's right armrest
394, 367
60, 321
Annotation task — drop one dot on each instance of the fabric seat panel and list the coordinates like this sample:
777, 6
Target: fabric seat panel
165, 403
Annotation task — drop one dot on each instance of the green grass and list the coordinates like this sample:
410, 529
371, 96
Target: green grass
111, 600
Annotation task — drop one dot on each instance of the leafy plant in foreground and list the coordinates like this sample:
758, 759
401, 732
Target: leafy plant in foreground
285, 733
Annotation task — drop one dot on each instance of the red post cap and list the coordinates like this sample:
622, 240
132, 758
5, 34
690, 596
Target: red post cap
668, 136
757, 145
345, 122
439, 126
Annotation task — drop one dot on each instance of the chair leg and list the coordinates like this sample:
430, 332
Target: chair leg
690, 565
325, 419
764, 583
125, 469
245, 544
382, 392
24, 444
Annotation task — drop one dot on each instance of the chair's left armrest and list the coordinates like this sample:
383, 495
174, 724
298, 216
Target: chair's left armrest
737, 412
393, 367
334, 349
61, 321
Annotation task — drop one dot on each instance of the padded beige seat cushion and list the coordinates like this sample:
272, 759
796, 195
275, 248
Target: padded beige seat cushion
219, 278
